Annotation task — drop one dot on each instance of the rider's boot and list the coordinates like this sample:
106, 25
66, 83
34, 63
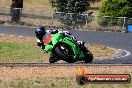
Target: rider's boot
80, 43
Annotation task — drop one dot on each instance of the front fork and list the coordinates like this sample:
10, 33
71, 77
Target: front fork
55, 57
81, 54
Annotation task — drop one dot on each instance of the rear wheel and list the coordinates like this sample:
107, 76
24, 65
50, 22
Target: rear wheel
53, 58
65, 53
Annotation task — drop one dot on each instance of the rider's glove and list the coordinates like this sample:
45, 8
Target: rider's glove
45, 51
39, 43
54, 31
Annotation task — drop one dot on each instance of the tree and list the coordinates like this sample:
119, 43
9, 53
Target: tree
16, 9
115, 8
118, 8
72, 6
76, 7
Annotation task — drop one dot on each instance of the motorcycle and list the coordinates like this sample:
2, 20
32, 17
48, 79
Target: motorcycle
64, 48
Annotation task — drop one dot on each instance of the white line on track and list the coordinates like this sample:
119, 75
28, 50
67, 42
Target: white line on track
11, 35
119, 54
20, 36
2, 34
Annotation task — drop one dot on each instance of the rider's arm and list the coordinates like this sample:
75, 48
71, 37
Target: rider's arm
40, 40
40, 44
52, 31
64, 32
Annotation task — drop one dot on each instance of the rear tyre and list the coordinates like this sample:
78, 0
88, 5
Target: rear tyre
53, 58
65, 53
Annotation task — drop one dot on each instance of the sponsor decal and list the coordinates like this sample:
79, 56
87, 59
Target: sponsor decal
83, 78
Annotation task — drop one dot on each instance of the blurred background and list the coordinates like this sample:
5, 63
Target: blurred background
42, 13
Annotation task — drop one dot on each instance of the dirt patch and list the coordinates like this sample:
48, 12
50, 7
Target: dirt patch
8, 73
16, 39
100, 50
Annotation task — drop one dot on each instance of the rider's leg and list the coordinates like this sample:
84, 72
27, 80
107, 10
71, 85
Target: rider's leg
81, 42
75, 40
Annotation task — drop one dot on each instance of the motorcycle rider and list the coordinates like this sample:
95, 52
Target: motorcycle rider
41, 32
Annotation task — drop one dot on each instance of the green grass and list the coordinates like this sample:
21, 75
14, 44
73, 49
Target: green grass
55, 82
24, 52
14, 52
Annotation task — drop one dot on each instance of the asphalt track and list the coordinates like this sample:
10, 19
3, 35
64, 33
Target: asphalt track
118, 40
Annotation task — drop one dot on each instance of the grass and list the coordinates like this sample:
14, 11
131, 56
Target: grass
13, 52
24, 49
29, 4
59, 78
55, 82
39, 4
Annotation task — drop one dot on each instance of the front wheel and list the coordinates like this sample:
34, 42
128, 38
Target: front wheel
88, 57
53, 58
64, 52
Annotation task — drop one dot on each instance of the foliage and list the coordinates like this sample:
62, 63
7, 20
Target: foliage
116, 8
71, 6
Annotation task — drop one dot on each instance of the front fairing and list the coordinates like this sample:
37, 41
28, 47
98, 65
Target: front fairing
50, 42
78, 54
59, 38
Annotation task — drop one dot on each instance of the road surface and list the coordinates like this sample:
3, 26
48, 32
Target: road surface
118, 40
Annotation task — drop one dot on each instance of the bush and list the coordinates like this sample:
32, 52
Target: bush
115, 8
104, 21
72, 6
118, 8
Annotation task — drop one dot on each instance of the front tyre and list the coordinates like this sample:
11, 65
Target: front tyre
53, 58
64, 52
88, 57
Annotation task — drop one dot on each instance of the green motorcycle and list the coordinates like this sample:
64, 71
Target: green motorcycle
64, 48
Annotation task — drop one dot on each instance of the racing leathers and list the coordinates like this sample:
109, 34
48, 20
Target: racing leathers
48, 32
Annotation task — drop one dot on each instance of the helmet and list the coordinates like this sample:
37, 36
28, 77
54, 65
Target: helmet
40, 31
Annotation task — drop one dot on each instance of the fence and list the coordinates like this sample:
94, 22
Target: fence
83, 21
111, 23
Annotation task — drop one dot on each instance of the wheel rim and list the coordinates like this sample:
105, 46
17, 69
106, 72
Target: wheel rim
66, 50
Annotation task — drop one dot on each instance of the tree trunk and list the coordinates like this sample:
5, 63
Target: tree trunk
16, 10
